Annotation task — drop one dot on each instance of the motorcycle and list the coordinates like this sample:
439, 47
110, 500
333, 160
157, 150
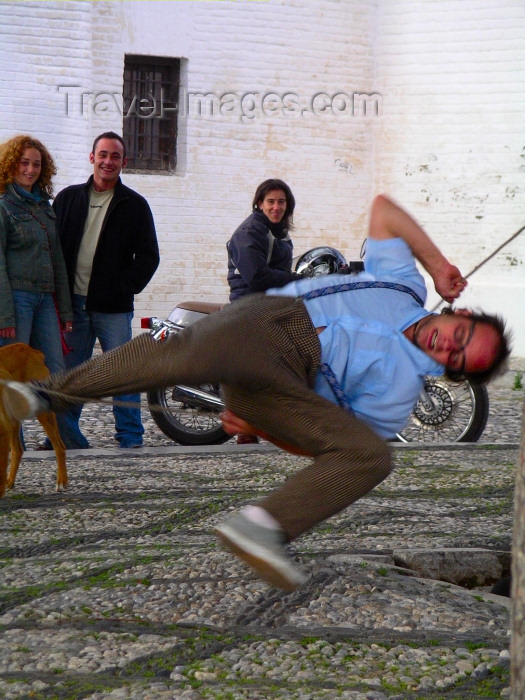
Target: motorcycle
447, 411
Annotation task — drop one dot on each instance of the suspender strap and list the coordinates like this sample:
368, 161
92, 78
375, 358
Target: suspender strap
326, 370
349, 286
330, 377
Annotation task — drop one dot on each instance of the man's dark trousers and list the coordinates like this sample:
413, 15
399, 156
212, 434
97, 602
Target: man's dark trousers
265, 352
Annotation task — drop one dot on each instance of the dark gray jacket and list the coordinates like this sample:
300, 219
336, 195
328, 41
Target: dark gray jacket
259, 257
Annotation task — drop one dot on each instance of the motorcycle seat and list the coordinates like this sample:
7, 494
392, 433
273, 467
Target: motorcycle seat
202, 307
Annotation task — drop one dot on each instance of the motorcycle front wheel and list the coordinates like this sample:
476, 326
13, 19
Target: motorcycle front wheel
454, 412
184, 423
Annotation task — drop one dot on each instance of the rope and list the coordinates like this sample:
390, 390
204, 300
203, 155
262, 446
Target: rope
107, 401
489, 257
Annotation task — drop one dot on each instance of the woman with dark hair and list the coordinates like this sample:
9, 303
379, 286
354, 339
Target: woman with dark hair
35, 304
260, 251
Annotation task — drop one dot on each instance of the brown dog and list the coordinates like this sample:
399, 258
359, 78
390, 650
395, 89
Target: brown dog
21, 363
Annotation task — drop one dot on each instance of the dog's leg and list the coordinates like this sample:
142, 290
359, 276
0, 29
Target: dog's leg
16, 453
4, 454
48, 421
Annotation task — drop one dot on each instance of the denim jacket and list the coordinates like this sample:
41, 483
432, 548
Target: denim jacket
30, 255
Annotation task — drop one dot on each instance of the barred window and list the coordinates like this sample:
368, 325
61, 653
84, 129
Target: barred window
151, 93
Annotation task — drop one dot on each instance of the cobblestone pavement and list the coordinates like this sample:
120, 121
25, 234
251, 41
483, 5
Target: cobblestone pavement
117, 588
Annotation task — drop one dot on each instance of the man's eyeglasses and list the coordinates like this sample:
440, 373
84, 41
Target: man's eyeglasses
462, 336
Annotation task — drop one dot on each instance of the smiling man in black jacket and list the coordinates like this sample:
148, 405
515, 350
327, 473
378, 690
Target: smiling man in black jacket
110, 247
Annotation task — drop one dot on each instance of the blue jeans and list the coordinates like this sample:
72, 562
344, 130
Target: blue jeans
37, 325
111, 330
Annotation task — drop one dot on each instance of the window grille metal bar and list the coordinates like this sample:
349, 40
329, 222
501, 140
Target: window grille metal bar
151, 88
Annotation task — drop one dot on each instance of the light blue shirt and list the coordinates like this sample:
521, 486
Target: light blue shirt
379, 371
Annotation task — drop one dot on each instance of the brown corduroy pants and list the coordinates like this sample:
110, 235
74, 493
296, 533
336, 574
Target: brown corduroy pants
265, 352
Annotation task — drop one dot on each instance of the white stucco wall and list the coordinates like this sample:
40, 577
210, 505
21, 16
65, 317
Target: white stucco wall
451, 141
448, 144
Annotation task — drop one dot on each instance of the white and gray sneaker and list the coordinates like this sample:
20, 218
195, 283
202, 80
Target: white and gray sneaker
23, 401
262, 548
